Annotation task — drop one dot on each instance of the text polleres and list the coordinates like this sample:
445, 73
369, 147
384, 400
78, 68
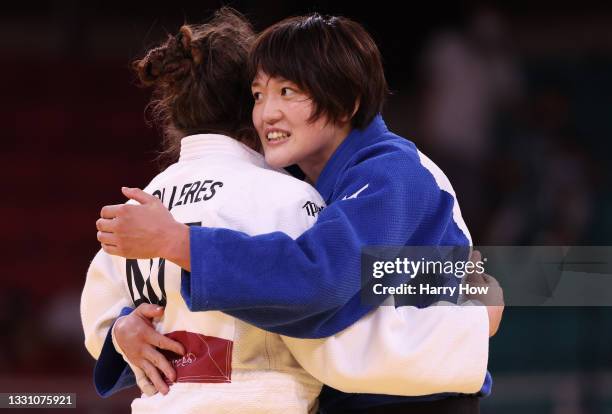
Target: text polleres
188, 193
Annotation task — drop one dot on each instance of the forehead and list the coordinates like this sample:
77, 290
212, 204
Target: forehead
262, 79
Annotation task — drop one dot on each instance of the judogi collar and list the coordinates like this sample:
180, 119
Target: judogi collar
195, 147
356, 140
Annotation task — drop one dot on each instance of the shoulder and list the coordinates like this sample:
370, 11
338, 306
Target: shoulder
279, 201
397, 161
397, 175
292, 204
162, 178
281, 188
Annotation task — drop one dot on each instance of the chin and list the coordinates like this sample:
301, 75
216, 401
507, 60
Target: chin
275, 162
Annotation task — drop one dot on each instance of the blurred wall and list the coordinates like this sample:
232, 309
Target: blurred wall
513, 102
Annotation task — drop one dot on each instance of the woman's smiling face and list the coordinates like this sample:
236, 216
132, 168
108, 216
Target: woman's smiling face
281, 115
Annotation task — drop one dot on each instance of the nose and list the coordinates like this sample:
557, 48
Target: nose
271, 111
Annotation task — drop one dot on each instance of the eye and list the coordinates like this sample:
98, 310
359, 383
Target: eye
287, 91
257, 96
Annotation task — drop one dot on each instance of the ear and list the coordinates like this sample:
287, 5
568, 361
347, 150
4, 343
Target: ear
347, 118
356, 108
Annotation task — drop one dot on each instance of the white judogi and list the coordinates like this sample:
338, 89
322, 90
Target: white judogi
219, 182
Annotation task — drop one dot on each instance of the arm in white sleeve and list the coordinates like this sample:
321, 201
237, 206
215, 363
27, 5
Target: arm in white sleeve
402, 351
105, 298
102, 300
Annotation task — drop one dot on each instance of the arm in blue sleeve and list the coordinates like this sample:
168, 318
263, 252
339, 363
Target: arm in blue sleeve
111, 373
309, 287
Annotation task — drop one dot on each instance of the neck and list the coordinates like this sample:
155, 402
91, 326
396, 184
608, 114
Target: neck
313, 165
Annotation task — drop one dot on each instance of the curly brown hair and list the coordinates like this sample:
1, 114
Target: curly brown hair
200, 81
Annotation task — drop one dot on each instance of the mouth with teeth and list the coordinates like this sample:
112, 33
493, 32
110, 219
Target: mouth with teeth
277, 136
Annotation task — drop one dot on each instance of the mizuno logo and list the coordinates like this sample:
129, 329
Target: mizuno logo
354, 195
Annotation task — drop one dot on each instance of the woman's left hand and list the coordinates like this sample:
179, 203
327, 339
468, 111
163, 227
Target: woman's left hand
143, 231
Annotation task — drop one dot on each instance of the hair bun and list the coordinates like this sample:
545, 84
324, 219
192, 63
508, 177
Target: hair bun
169, 62
152, 65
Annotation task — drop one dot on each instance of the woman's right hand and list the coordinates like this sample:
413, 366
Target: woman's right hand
139, 342
493, 299
495, 317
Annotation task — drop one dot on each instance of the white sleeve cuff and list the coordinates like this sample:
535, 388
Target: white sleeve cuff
115, 343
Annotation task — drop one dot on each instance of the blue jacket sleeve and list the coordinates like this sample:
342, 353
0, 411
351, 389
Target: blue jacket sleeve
309, 287
112, 373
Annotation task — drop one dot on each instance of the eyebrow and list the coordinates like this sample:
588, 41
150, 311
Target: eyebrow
280, 79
